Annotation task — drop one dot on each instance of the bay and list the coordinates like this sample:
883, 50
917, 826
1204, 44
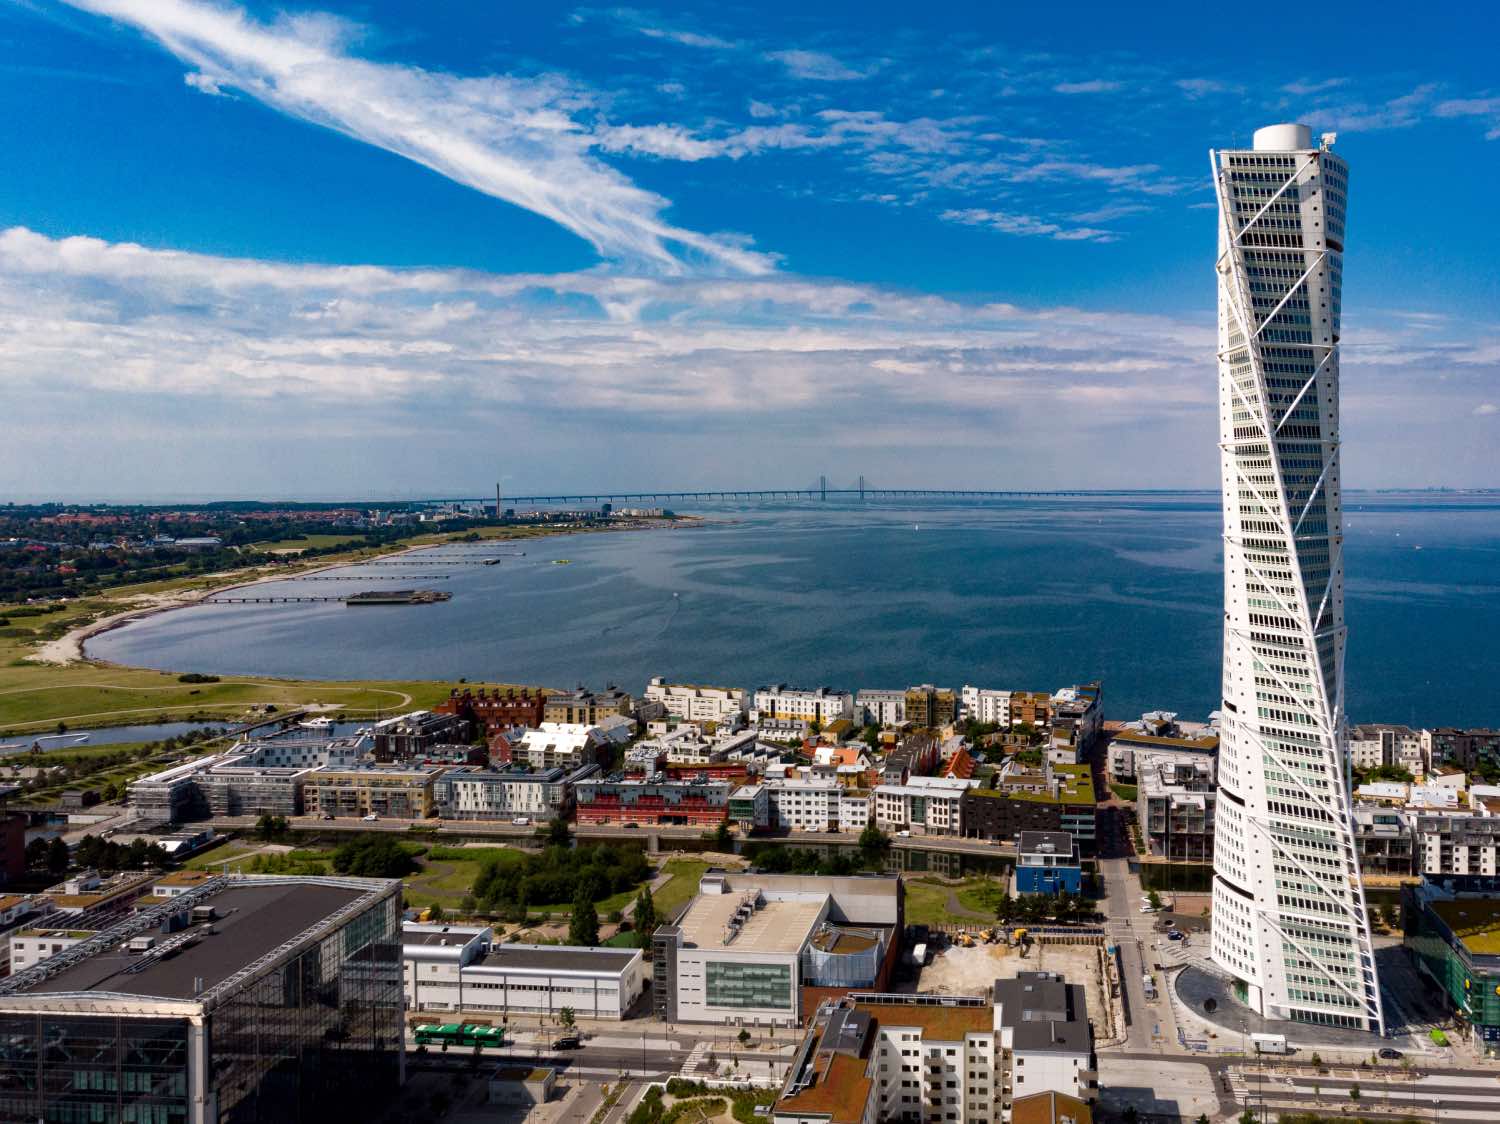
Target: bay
1022, 593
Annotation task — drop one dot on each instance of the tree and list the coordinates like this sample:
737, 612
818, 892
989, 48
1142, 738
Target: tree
436, 913
1354, 1092
744, 1037
583, 926
467, 905
644, 915
374, 856
1317, 1060
873, 843
567, 1017
723, 841
57, 856
1006, 910
557, 833
265, 827
1153, 899
36, 853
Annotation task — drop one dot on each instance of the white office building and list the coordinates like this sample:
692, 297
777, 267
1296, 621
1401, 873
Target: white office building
460, 968
1289, 916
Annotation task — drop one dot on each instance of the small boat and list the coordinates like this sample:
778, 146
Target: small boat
562, 561
317, 724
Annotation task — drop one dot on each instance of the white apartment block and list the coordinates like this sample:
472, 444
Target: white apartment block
923, 805
1456, 843
570, 745
854, 810
691, 703
819, 705
984, 705
488, 794
937, 1060
1289, 919
804, 805
881, 708
1372, 745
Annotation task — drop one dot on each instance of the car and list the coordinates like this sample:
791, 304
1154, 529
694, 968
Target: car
1147, 909
632, 825
371, 818
521, 821
1391, 1055
1175, 935
326, 816
567, 1042
904, 834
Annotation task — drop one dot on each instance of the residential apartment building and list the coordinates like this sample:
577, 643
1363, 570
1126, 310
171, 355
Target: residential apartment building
1466, 749
1054, 798
1384, 840
870, 1058
406, 736
1047, 863
498, 710
796, 704
618, 799
983, 705
584, 707
922, 806
552, 745
931, 708
689, 702
854, 809
880, 708
1175, 799
401, 792
803, 805
1077, 720
1375, 744
538, 795
1155, 732
1456, 843
29, 947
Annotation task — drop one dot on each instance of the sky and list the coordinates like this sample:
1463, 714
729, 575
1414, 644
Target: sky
384, 249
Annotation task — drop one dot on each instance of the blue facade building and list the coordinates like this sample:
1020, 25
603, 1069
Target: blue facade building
1047, 863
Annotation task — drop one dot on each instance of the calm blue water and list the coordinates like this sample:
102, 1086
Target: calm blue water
1030, 594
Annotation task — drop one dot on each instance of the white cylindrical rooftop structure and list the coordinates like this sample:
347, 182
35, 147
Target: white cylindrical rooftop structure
1283, 138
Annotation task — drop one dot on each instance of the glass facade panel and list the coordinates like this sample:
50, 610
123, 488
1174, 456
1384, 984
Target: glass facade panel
748, 985
86, 1069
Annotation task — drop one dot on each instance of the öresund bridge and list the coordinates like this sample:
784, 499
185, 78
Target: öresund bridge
862, 491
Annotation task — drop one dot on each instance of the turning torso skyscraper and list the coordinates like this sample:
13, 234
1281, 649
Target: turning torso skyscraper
1289, 914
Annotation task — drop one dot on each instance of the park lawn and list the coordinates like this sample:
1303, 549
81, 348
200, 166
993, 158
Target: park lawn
1125, 791
622, 940
982, 895
215, 857
303, 542
927, 902
448, 874
681, 889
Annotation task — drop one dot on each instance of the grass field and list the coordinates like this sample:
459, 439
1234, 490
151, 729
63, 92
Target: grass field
686, 874
303, 542
927, 901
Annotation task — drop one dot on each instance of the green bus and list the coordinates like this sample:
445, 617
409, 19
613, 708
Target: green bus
459, 1034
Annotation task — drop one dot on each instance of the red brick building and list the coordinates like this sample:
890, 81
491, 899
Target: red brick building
498, 710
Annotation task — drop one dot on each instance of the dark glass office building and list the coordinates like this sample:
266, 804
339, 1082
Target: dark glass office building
247, 999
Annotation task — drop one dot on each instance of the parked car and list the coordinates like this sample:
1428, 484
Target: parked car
1391, 1055
1174, 934
371, 818
567, 1042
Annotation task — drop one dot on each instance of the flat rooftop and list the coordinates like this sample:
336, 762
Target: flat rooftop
776, 926
252, 919
556, 958
1474, 921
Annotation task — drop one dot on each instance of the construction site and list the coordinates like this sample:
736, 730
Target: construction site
968, 962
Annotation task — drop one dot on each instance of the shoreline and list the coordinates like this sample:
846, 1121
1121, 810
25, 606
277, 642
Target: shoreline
72, 647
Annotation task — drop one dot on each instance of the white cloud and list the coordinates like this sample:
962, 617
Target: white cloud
514, 139
690, 38
1473, 107
1486, 410
1202, 87
1092, 86
1302, 88
815, 66
761, 110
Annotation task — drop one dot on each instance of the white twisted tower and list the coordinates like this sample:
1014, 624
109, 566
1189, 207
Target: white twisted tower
1289, 915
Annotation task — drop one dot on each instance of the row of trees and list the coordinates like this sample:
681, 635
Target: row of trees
53, 856
1062, 908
